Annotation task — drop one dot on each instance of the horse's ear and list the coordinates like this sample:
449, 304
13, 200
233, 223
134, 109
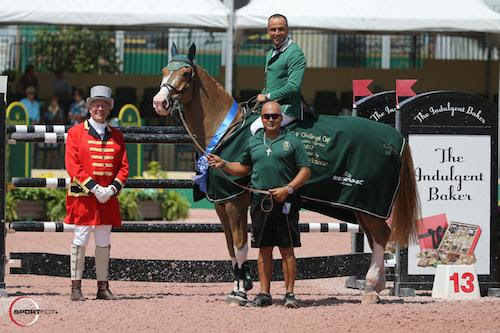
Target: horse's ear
192, 52
173, 51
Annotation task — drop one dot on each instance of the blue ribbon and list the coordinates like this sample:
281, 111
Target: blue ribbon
202, 163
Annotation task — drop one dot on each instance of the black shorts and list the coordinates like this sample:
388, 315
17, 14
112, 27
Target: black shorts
275, 228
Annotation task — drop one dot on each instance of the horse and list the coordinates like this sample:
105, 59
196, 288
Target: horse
218, 124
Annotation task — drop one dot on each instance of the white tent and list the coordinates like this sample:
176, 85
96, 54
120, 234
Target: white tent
117, 13
374, 15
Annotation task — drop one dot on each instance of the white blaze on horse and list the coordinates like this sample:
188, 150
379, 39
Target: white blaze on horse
362, 170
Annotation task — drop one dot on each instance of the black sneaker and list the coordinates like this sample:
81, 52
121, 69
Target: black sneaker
245, 276
290, 301
262, 300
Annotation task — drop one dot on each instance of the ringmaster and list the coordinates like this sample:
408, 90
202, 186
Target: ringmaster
284, 71
278, 162
96, 161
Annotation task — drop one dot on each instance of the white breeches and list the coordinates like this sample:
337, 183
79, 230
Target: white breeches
102, 234
258, 123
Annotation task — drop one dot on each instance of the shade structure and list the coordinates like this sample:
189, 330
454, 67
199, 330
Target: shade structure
117, 13
374, 16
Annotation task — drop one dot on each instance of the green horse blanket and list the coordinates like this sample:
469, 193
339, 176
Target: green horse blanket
355, 165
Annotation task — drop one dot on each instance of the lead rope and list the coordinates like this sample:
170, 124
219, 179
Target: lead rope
202, 150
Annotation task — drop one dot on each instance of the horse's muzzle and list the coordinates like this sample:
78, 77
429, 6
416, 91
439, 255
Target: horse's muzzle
162, 106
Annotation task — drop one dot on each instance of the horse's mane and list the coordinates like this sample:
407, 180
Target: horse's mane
204, 75
209, 105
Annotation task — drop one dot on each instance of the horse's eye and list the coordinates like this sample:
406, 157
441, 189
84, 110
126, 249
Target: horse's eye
186, 75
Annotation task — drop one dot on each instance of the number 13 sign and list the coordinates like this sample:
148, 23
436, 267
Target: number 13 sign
464, 283
456, 282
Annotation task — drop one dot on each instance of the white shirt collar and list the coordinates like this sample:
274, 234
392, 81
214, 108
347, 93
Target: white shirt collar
100, 128
283, 46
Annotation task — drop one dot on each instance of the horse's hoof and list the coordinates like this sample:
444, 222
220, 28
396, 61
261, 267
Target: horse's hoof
371, 298
380, 286
236, 299
235, 302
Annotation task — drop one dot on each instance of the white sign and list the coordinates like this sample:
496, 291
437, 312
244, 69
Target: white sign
453, 177
3, 87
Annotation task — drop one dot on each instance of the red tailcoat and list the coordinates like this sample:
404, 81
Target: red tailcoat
91, 161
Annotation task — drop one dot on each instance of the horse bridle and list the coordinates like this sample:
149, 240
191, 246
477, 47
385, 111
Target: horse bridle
174, 66
171, 88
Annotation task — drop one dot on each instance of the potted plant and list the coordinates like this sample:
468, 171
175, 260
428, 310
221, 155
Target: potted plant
153, 204
35, 204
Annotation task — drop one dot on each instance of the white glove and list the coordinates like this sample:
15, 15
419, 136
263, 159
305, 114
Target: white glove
110, 190
100, 193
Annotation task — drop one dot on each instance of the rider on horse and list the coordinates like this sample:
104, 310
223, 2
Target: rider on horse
285, 67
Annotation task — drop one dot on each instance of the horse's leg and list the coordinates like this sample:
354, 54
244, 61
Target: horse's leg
233, 216
224, 219
378, 234
226, 226
237, 211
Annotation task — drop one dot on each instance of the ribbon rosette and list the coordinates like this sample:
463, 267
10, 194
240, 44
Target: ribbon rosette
202, 168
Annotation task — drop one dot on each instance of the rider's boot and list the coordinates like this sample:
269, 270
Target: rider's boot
102, 271
77, 266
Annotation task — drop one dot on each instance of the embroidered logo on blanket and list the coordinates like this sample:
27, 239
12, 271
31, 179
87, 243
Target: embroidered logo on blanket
347, 179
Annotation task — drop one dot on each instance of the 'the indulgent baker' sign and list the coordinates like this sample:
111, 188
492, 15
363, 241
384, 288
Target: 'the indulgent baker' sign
453, 137
380, 107
452, 111
453, 170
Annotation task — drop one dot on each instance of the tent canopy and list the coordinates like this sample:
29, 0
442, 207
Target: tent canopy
374, 16
117, 13
340, 15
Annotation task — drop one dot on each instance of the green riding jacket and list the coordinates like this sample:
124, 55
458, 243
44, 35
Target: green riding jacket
284, 73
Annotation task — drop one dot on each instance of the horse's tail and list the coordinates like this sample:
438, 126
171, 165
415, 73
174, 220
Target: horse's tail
406, 212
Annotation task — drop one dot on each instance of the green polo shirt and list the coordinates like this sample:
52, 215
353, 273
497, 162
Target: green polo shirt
278, 168
284, 73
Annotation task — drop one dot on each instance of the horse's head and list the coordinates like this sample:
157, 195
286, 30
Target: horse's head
177, 78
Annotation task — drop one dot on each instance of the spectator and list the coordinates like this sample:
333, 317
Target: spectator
78, 111
28, 79
54, 113
61, 89
32, 105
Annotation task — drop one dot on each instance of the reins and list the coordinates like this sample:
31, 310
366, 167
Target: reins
204, 152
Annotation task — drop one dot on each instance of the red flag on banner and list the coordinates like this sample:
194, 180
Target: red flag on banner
403, 88
360, 88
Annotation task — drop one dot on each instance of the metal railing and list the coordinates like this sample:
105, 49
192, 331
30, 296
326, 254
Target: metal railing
145, 53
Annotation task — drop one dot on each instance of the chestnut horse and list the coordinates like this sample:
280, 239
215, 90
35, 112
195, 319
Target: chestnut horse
206, 105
